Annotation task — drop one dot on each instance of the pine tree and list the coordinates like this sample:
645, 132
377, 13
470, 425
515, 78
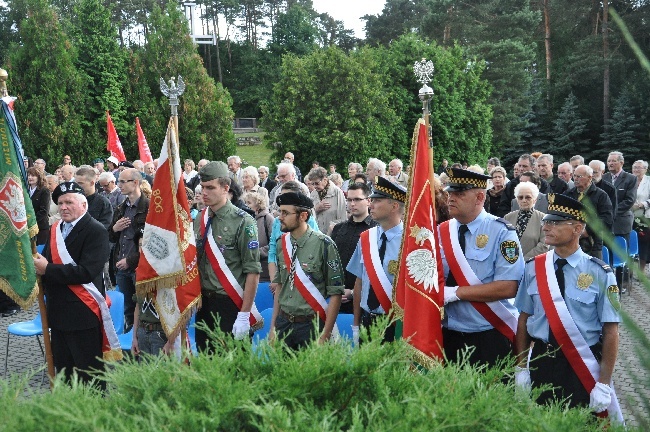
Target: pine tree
568, 130
624, 132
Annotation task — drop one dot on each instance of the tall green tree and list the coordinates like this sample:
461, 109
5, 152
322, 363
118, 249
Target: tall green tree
569, 130
398, 17
624, 132
50, 94
294, 32
205, 110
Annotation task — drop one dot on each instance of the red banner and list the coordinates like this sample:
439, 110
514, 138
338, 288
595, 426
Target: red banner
113, 144
143, 147
420, 281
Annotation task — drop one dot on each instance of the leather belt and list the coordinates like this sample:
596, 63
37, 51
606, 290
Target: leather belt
212, 294
296, 318
151, 326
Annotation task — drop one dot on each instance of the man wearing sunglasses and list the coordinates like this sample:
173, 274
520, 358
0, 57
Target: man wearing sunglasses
569, 307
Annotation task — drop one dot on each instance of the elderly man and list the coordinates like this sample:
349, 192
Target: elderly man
288, 156
71, 266
483, 265
373, 287
625, 184
397, 175
576, 160
234, 166
150, 169
265, 181
353, 169
67, 173
229, 259
599, 168
565, 172
40, 163
569, 308
328, 199
309, 273
110, 190
375, 168
99, 207
545, 171
590, 241
286, 172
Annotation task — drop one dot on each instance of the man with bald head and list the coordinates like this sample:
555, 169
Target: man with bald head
68, 172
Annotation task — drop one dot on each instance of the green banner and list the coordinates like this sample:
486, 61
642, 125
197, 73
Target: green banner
17, 218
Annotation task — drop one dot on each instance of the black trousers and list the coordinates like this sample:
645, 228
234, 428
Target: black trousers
548, 365
489, 346
215, 307
297, 334
78, 351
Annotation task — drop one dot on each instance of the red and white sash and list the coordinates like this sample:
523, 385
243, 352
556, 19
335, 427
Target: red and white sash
379, 282
224, 275
494, 312
89, 295
573, 344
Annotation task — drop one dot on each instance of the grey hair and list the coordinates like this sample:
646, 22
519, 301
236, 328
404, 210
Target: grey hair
399, 163
618, 154
578, 158
377, 164
642, 162
546, 156
252, 172
108, 176
234, 158
599, 163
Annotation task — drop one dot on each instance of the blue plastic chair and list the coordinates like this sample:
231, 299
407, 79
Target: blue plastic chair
344, 323
39, 248
262, 333
634, 244
117, 311
263, 297
606, 256
125, 340
618, 259
25, 328
191, 334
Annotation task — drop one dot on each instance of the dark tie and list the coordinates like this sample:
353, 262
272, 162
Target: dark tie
373, 301
451, 280
559, 274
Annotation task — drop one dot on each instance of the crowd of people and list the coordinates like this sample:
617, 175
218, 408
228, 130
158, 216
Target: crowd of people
328, 245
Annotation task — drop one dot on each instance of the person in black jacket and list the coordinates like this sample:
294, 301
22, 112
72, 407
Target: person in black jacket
545, 171
526, 163
75, 329
99, 207
265, 181
41, 198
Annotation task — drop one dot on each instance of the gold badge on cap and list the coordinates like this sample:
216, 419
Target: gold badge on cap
482, 240
584, 280
392, 267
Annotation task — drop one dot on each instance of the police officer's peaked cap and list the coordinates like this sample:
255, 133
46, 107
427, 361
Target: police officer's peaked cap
294, 198
66, 188
462, 180
562, 207
213, 170
384, 188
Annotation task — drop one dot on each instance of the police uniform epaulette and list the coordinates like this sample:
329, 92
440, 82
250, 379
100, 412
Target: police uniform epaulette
603, 264
508, 225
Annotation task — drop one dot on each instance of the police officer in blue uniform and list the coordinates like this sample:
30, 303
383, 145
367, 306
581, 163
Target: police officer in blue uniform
493, 252
592, 299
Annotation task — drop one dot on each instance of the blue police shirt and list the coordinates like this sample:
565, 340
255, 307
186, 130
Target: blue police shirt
493, 251
589, 306
356, 265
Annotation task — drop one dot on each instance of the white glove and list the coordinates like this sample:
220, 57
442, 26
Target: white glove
522, 380
600, 397
242, 325
450, 294
355, 335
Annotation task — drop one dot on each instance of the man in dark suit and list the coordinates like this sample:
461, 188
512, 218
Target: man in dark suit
265, 181
545, 170
625, 184
599, 169
76, 330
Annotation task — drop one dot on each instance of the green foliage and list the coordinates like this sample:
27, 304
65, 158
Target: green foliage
42, 74
295, 32
325, 388
568, 129
624, 131
332, 107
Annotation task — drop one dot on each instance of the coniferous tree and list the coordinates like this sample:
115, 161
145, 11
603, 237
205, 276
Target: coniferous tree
568, 131
623, 132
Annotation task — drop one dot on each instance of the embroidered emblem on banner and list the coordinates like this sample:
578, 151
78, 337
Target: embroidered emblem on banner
421, 235
421, 265
584, 280
510, 251
482, 240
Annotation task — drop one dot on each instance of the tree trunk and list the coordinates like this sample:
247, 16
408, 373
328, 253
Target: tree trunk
215, 23
547, 45
606, 58
447, 33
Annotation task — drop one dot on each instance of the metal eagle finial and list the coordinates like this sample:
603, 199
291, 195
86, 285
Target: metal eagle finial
173, 91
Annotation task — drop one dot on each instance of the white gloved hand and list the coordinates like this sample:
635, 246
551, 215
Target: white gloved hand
600, 397
450, 294
355, 335
522, 380
242, 325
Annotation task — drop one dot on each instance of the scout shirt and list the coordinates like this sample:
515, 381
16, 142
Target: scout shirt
148, 312
591, 296
357, 267
493, 251
320, 260
235, 233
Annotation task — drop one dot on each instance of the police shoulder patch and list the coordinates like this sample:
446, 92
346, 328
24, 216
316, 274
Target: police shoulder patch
603, 264
510, 250
508, 225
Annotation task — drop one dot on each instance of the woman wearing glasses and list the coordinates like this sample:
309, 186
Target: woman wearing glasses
329, 200
528, 221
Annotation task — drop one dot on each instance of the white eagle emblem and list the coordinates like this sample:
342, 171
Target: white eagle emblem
13, 204
422, 268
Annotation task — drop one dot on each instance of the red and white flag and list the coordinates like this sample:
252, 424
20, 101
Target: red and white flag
420, 281
113, 144
168, 263
145, 153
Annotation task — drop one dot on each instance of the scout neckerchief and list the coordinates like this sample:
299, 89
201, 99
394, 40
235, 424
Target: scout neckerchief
379, 282
89, 295
573, 345
223, 273
494, 312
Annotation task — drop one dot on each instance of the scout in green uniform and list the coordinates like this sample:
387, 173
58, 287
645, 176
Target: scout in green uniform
314, 263
235, 235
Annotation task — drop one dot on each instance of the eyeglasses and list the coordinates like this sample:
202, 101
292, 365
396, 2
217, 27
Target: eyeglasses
124, 181
554, 223
526, 197
281, 176
284, 213
355, 200
577, 176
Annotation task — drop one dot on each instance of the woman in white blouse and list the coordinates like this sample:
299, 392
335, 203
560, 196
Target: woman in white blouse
641, 209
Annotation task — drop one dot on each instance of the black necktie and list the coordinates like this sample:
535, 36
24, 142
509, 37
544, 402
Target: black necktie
559, 274
451, 280
373, 301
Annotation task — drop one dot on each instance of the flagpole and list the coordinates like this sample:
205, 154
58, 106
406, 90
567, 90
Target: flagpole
173, 91
423, 71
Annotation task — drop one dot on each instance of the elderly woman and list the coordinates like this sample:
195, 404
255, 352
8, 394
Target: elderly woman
493, 195
641, 209
264, 220
329, 200
41, 199
528, 221
250, 179
189, 173
336, 179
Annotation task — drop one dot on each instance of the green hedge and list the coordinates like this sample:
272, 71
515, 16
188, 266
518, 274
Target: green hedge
322, 388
